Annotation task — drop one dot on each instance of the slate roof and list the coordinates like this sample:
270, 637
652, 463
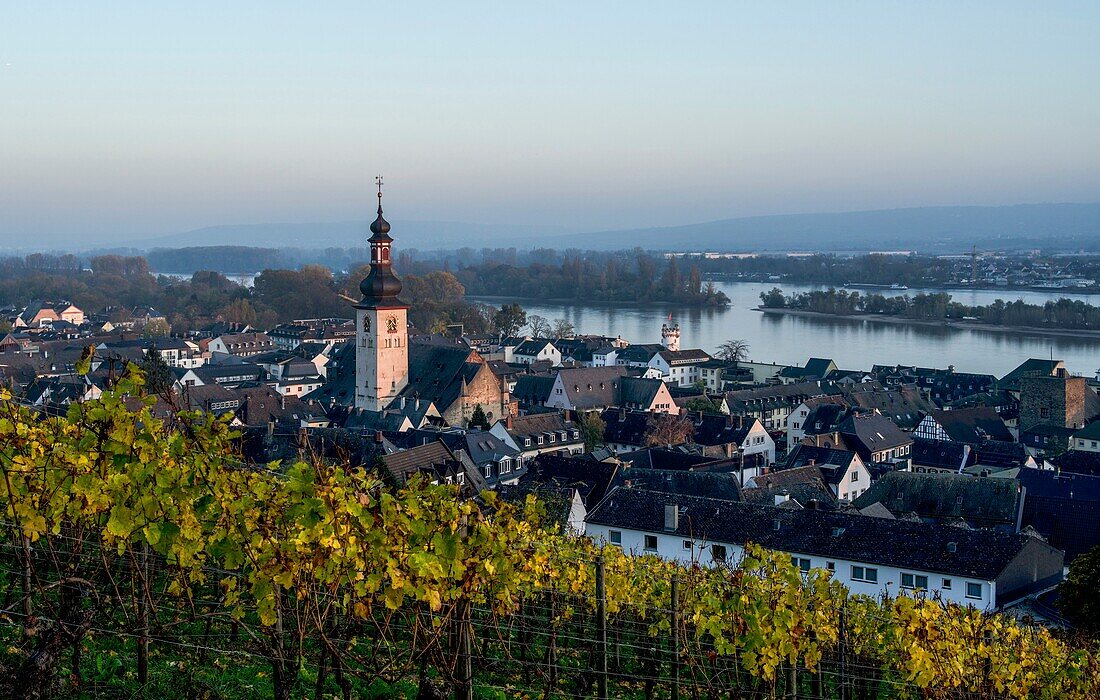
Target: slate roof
872, 433
803, 484
1078, 462
676, 358
707, 484
972, 425
824, 418
637, 391
624, 427
641, 353
435, 460
592, 387
672, 458
436, 373
532, 347
261, 405
716, 430
1089, 432
904, 406
832, 463
533, 388
538, 424
941, 454
1064, 508
590, 478
981, 502
980, 554
1033, 367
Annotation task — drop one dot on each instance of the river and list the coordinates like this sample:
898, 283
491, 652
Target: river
853, 344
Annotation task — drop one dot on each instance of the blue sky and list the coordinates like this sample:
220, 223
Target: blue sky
126, 119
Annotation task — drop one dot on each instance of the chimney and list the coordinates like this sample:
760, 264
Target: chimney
270, 428
622, 415
672, 517
377, 437
567, 415
782, 497
508, 422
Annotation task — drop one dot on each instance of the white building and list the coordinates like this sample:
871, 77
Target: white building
871, 556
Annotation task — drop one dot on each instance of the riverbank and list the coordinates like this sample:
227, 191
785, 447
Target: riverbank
945, 323
493, 299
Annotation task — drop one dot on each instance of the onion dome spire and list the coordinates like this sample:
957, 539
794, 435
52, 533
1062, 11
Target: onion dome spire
380, 287
380, 227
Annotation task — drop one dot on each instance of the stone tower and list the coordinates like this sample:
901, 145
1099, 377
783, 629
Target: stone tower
670, 335
381, 330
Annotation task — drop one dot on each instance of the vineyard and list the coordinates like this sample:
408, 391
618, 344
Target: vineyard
142, 559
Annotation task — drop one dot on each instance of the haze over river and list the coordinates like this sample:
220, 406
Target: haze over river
853, 344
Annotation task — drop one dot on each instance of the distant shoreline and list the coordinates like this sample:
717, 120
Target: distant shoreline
945, 323
492, 298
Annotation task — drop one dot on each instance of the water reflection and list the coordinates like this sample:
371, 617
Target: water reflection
853, 343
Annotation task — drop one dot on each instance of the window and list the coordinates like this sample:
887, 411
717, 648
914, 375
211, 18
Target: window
526, 442
946, 585
687, 545
914, 581
855, 477
830, 566
973, 590
505, 466
718, 552
488, 471
865, 574
651, 543
802, 563
615, 537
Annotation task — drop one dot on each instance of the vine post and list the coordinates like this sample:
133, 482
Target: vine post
675, 656
601, 631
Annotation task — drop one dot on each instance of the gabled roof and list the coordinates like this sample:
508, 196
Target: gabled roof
822, 457
872, 433
677, 481
981, 502
1089, 432
592, 387
684, 357
538, 424
623, 427
1034, 367
637, 391
803, 484
980, 554
437, 372
532, 347
972, 425
941, 454
641, 353
533, 388
590, 478
673, 458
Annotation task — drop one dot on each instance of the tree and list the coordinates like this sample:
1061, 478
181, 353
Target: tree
701, 404
1078, 598
540, 327
733, 350
509, 320
665, 429
592, 430
563, 328
478, 419
158, 375
157, 328
773, 299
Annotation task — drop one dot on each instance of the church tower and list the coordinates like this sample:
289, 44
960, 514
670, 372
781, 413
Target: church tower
381, 330
670, 335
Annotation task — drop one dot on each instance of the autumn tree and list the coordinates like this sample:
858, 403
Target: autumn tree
592, 429
509, 319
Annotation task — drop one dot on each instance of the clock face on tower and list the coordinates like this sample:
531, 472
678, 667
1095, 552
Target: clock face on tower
391, 324
366, 323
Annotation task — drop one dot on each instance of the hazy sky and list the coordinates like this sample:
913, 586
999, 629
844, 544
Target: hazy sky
120, 119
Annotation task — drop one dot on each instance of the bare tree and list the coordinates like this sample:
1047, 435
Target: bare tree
540, 327
666, 429
733, 350
563, 328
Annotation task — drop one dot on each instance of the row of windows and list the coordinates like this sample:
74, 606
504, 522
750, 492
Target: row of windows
862, 574
505, 467
550, 438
